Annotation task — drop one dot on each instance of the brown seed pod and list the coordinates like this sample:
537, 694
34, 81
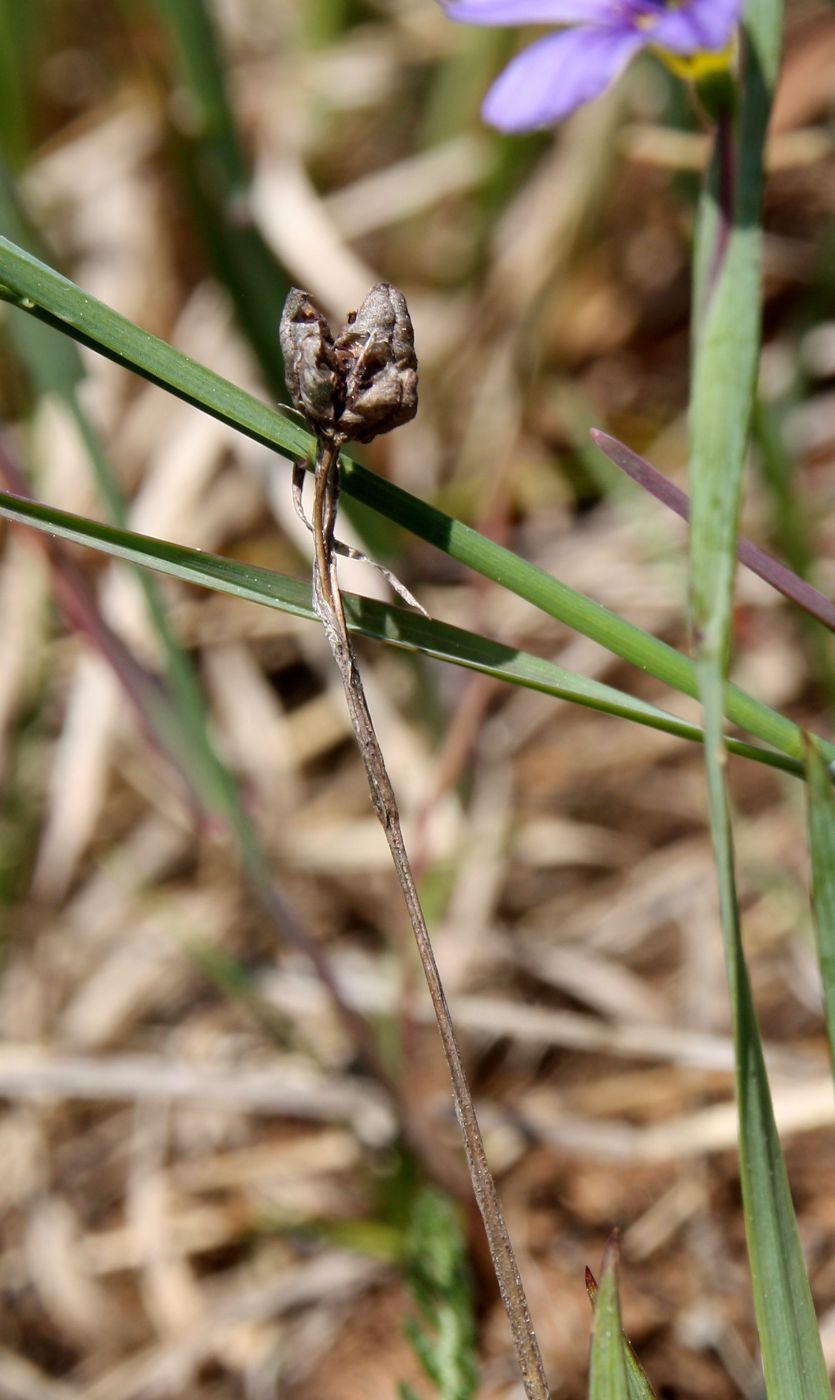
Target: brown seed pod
309, 363
377, 350
364, 381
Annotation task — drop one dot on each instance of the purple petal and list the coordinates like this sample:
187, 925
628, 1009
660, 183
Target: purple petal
703, 25
548, 80
534, 11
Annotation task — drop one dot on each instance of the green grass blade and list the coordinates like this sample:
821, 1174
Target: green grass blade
608, 1378
200, 68
21, 30
174, 713
821, 800
726, 346
723, 385
792, 1356
636, 1378
793, 1361
52, 361
186, 743
215, 178
439, 1280
54, 367
396, 626
637, 1381
54, 299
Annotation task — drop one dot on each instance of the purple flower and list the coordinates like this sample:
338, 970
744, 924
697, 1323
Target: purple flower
548, 80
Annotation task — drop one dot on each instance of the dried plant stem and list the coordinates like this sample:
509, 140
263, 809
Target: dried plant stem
328, 603
347, 551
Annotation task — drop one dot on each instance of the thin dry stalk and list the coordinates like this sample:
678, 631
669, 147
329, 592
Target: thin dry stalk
328, 604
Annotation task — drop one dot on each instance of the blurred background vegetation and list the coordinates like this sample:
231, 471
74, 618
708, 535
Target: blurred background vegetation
225, 1103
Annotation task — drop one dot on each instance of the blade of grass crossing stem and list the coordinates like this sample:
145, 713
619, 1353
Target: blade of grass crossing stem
395, 626
727, 297
608, 1376
821, 801
44, 293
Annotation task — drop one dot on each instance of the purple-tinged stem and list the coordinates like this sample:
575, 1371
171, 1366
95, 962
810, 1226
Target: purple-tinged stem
796, 589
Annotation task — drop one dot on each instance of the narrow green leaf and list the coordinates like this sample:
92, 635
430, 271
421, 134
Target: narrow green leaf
52, 361
821, 800
173, 711
637, 1380
792, 1357
21, 36
396, 626
438, 1274
607, 1362
54, 299
179, 729
45, 294
214, 175
726, 346
54, 367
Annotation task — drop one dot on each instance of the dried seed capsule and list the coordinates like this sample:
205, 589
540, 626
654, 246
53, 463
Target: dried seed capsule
309, 362
376, 354
360, 384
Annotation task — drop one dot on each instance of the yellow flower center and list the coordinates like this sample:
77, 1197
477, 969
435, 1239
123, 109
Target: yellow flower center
696, 66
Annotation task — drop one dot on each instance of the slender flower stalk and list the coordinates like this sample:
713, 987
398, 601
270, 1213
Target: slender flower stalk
352, 387
547, 81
